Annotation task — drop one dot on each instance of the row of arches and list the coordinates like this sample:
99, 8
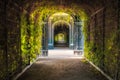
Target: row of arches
60, 20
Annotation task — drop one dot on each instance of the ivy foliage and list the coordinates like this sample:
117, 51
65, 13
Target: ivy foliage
104, 56
31, 27
30, 39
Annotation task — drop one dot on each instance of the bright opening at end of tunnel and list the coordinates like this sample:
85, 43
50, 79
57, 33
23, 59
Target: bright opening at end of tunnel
67, 22
65, 36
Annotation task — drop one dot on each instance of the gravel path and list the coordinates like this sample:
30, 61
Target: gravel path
61, 69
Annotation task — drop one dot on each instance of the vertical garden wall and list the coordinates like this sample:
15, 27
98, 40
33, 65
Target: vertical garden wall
2, 41
31, 37
10, 58
102, 44
20, 39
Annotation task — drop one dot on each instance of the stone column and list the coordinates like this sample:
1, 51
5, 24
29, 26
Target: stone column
50, 44
71, 35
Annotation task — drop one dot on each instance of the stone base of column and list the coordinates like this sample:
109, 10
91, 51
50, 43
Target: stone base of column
71, 46
50, 46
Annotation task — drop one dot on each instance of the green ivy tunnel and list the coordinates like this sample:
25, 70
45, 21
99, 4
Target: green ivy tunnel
23, 24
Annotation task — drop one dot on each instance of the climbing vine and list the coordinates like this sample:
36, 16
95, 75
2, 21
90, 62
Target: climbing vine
31, 27
102, 47
30, 39
24, 39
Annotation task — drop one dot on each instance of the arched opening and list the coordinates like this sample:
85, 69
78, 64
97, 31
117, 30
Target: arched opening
61, 35
60, 30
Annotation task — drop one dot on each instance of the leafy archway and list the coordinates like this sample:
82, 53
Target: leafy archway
32, 27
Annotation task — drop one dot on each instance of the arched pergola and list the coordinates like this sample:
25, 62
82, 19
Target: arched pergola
21, 32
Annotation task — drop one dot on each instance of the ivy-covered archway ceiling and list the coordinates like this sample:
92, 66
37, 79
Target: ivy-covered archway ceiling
61, 23
88, 5
60, 16
45, 8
